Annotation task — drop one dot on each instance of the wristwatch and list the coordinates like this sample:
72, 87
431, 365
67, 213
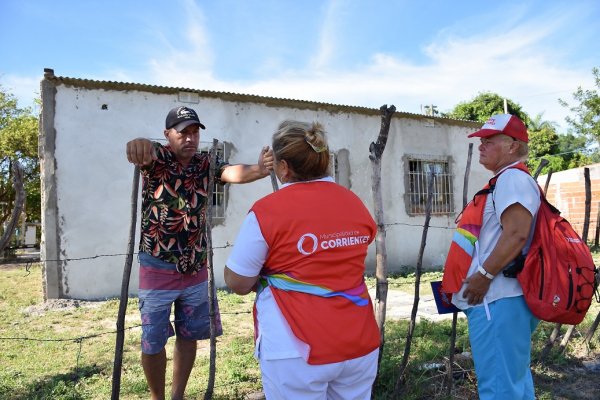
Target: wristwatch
483, 272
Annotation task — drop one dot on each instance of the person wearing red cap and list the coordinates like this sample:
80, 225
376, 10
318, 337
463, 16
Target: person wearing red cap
494, 232
173, 246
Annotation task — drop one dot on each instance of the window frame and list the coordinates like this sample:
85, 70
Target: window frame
416, 171
220, 191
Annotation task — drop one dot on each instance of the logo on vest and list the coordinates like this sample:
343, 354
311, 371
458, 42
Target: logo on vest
308, 243
315, 243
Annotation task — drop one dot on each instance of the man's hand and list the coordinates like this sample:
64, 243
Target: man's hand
265, 161
477, 287
141, 152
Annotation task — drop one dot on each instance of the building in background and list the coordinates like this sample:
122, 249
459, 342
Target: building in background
87, 181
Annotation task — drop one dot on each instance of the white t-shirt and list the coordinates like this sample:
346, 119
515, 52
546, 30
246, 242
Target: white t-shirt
513, 186
275, 337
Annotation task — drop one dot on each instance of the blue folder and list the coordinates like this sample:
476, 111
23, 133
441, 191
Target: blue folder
443, 301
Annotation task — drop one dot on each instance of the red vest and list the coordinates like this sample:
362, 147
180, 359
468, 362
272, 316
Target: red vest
467, 233
318, 233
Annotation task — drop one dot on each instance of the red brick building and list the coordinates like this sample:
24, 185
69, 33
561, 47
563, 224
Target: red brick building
566, 192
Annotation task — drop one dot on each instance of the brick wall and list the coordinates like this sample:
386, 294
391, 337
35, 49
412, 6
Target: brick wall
566, 192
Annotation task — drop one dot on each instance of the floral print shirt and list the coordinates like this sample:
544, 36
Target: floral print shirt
174, 209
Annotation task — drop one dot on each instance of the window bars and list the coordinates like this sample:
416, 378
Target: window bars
333, 166
417, 170
220, 192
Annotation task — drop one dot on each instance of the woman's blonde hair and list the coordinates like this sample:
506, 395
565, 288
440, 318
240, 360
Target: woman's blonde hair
304, 147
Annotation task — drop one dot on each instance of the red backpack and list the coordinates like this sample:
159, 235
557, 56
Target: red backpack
559, 275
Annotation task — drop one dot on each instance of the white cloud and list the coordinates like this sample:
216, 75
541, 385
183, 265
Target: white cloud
518, 59
190, 59
327, 37
25, 88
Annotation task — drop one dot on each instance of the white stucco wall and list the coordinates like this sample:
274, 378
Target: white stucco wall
93, 178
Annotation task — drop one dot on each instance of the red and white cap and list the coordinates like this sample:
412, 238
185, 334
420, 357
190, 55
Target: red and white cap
505, 124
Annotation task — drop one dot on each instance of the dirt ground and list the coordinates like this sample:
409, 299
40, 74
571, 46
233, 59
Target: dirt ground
578, 379
571, 380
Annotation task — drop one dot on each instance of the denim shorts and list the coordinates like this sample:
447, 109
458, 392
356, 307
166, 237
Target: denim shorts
161, 286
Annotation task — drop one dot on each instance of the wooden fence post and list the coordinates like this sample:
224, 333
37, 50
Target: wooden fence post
274, 181
118, 361
211, 273
588, 205
413, 315
543, 163
376, 151
547, 181
597, 236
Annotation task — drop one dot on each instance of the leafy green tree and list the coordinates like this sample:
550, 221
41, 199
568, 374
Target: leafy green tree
543, 138
555, 163
569, 143
575, 152
587, 110
18, 142
562, 151
543, 143
483, 106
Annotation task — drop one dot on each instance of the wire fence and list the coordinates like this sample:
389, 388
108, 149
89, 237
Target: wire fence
248, 383
81, 340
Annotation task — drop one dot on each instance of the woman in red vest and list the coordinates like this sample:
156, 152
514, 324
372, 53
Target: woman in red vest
302, 249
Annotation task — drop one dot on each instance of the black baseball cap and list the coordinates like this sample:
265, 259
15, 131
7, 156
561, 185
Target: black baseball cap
181, 117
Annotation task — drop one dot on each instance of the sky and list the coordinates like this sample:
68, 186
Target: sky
351, 52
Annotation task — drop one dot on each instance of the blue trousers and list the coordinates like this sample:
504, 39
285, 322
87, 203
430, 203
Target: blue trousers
501, 349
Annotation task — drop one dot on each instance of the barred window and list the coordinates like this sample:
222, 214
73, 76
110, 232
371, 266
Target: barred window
333, 166
417, 170
220, 192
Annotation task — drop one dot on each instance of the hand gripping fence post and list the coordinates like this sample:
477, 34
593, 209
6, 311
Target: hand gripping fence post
116, 378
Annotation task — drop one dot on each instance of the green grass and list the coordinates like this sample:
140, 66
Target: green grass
69, 368
66, 367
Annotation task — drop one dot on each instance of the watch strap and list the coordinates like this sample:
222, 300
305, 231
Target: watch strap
483, 272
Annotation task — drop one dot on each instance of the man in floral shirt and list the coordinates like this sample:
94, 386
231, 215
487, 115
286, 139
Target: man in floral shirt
173, 244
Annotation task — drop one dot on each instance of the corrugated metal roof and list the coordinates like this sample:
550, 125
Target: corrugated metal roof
246, 98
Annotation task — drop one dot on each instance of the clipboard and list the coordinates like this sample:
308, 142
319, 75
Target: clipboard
443, 301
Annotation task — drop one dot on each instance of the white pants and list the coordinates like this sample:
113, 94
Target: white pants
294, 378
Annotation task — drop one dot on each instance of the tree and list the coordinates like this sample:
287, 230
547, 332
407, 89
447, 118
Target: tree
562, 151
543, 142
18, 142
543, 138
483, 106
587, 112
573, 149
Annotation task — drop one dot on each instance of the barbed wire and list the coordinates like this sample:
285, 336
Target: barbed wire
30, 261
408, 282
225, 246
80, 339
114, 331
228, 245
